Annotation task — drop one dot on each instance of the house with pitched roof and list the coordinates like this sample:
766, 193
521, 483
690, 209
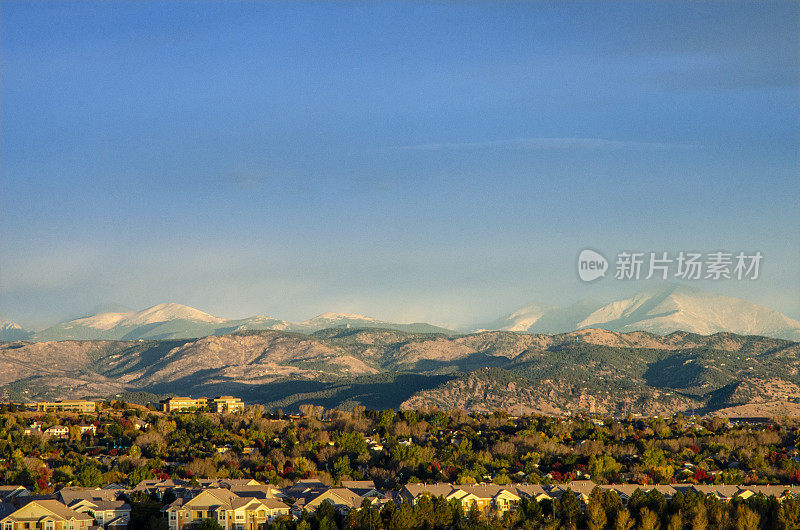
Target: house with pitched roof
70, 494
487, 497
91, 428
8, 493
533, 491
110, 514
58, 431
228, 509
257, 491
363, 488
159, 487
343, 499
45, 514
412, 492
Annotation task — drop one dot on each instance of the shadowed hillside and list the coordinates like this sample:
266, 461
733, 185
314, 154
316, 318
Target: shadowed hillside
590, 370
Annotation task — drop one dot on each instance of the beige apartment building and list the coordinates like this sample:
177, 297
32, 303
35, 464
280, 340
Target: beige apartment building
183, 404
225, 404
228, 509
217, 404
75, 405
46, 514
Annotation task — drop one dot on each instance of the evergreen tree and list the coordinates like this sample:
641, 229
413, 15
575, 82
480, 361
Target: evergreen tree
789, 515
595, 511
568, 509
745, 518
648, 520
675, 521
623, 520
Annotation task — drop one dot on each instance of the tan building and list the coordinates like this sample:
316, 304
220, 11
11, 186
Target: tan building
110, 514
58, 431
183, 404
487, 497
46, 515
12, 492
225, 404
76, 405
228, 509
533, 491
71, 494
88, 428
362, 488
342, 499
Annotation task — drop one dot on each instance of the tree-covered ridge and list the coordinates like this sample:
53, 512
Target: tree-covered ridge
586, 371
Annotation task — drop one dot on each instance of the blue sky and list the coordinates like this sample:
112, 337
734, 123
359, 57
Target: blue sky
410, 161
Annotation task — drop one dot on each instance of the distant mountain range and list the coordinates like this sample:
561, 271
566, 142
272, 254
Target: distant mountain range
176, 321
661, 351
591, 370
661, 311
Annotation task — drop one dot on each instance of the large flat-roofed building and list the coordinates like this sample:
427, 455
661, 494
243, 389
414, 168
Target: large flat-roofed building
75, 405
225, 404
182, 404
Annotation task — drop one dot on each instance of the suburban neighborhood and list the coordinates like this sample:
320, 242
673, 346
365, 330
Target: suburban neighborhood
246, 504
211, 464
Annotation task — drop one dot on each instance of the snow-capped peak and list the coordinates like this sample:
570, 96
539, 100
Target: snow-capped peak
171, 311
661, 310
151, 315
676, 307
8, 325
524, 318
340, 316
12, 331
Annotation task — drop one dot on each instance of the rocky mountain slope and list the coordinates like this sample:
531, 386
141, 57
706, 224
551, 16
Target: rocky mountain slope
590, 370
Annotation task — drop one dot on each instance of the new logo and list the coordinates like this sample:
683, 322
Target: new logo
591, 265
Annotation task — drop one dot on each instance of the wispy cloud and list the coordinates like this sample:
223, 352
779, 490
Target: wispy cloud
544, 143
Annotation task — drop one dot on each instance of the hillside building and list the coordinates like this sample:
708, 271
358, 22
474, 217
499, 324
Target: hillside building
225, 404
183, 404
75, 405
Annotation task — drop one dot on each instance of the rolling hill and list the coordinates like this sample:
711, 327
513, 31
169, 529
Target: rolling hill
591, 370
